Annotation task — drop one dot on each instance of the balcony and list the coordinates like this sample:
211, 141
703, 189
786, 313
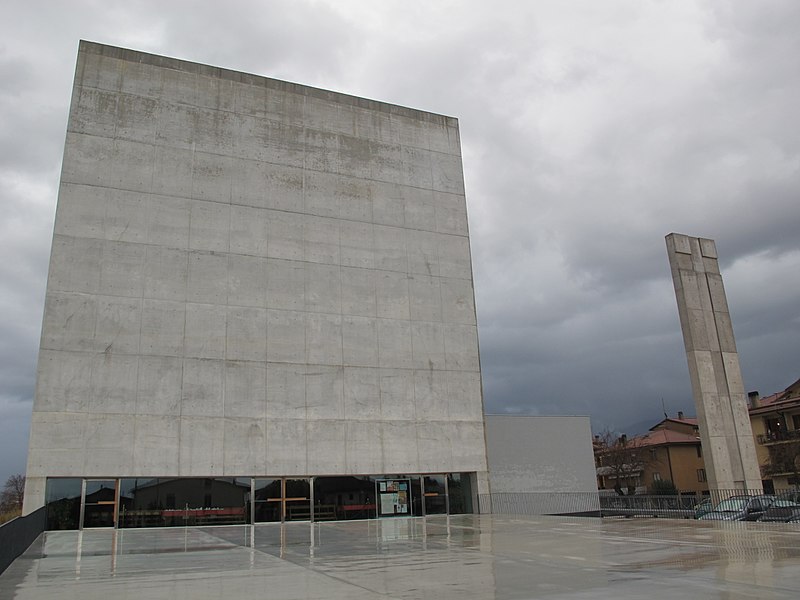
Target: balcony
776, 437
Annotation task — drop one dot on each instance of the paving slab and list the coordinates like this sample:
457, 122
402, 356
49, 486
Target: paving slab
460, 557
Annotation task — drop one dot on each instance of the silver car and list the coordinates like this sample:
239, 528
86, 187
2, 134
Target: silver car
784, 509
739, 508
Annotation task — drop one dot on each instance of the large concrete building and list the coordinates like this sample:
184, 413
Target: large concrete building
259, 306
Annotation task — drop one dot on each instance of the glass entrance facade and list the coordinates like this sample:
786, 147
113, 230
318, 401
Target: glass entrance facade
191, 501
183, 501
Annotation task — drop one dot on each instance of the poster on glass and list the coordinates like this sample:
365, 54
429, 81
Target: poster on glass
394, 497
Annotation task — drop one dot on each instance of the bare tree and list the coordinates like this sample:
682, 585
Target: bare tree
13, 493
621, 459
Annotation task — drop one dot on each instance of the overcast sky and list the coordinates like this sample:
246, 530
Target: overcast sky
590, 130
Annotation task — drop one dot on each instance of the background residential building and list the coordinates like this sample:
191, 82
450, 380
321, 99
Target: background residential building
775, 421
669, 451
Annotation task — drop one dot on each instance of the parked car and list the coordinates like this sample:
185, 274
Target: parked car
739, 508
784, 509
706, 506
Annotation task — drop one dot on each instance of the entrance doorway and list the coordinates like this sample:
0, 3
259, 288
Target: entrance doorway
435, 491
99, 503
282, 499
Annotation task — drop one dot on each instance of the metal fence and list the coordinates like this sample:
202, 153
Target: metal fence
685, 505
609, 504
18, 534
679, 506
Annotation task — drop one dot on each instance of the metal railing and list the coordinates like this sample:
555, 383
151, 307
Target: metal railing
773, 437
18, 534
609, 504
674, 506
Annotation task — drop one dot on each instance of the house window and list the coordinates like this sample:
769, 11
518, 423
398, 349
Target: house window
772, 426
699, 451
796, 422
656, 476
701, 475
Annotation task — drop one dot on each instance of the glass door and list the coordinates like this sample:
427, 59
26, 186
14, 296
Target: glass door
435, 492
282, 499
99, 503
297, 499
268, 500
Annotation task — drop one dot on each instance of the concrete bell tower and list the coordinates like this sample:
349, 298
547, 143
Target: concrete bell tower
725, 432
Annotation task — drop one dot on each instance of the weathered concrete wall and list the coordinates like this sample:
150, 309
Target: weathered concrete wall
541, 465
250, 277
719, 396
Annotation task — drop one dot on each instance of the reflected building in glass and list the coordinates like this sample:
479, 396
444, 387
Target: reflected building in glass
259, 306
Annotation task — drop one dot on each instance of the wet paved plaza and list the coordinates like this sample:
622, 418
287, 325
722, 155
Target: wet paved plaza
460, 557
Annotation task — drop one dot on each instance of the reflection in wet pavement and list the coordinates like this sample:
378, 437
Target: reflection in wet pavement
464, 557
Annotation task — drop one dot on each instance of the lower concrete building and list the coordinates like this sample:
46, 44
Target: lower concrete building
540, 465
259, 307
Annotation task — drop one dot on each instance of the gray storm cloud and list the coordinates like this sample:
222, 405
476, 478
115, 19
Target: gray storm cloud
589, 130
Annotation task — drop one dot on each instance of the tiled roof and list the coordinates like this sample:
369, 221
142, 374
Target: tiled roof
684, 421
660, 437
788, 398
775, 402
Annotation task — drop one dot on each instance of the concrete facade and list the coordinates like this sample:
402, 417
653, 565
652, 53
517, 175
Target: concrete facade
719, 395
253, 277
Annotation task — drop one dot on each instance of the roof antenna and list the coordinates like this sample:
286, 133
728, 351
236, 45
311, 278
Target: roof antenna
666, 416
